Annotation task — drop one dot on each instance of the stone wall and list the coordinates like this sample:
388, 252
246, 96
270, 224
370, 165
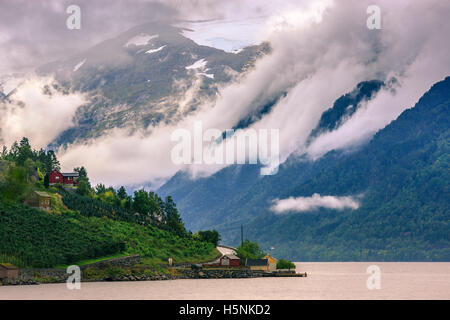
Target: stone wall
182, 273
31, 276
216, 274
125, 262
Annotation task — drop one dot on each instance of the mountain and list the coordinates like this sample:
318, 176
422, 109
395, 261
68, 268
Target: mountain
346, 106
213, 200
401, 179
149, 74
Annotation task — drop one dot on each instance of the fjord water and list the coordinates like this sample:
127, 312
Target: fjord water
327, 280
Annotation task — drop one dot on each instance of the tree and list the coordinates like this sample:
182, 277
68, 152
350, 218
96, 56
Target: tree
285, 264
82, 173
128, 205
24, 151
141, 202
212, 236
41, 155
109, 196
14, 151
249, 250
100, 188
122, 193
84, 187
174, 222
51, 162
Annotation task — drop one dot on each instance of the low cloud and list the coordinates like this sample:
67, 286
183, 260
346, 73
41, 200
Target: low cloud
426, 66
120, 158
316, 201
37, 110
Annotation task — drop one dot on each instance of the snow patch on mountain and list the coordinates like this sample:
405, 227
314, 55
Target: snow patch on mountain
140, 40
209, 75
229, 35
155, 50
197, 64
237, 51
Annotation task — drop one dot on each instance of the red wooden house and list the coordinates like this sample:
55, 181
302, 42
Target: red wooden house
63, 178
229, 260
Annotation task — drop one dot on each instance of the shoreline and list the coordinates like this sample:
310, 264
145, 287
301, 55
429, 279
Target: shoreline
47, 276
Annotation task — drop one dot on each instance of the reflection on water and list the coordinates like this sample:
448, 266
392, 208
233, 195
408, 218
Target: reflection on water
333, 280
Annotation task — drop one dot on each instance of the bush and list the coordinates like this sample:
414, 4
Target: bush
249, 250
285, 264
210, 236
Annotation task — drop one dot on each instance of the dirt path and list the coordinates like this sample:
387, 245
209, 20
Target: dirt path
225, 251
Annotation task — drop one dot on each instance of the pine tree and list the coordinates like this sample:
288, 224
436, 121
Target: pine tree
82, 173
24, 151
122, 193
174, 222
51, 162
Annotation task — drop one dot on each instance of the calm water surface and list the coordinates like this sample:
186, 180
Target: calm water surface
333, 280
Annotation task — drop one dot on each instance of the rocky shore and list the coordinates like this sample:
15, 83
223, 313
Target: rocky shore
28, 277
129, 269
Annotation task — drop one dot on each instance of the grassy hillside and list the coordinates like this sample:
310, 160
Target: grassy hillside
34, 238
86, 223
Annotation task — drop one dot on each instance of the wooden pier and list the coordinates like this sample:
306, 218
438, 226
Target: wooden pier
291, 274
282, 274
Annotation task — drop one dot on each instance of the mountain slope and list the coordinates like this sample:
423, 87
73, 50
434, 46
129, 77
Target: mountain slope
216, 200
402, 175
149, 74
346, 106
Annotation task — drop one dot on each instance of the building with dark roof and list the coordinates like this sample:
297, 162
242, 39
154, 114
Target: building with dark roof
39, 199
70, 178
258, 264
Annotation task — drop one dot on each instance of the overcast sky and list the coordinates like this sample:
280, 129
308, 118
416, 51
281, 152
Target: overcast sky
34, 32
